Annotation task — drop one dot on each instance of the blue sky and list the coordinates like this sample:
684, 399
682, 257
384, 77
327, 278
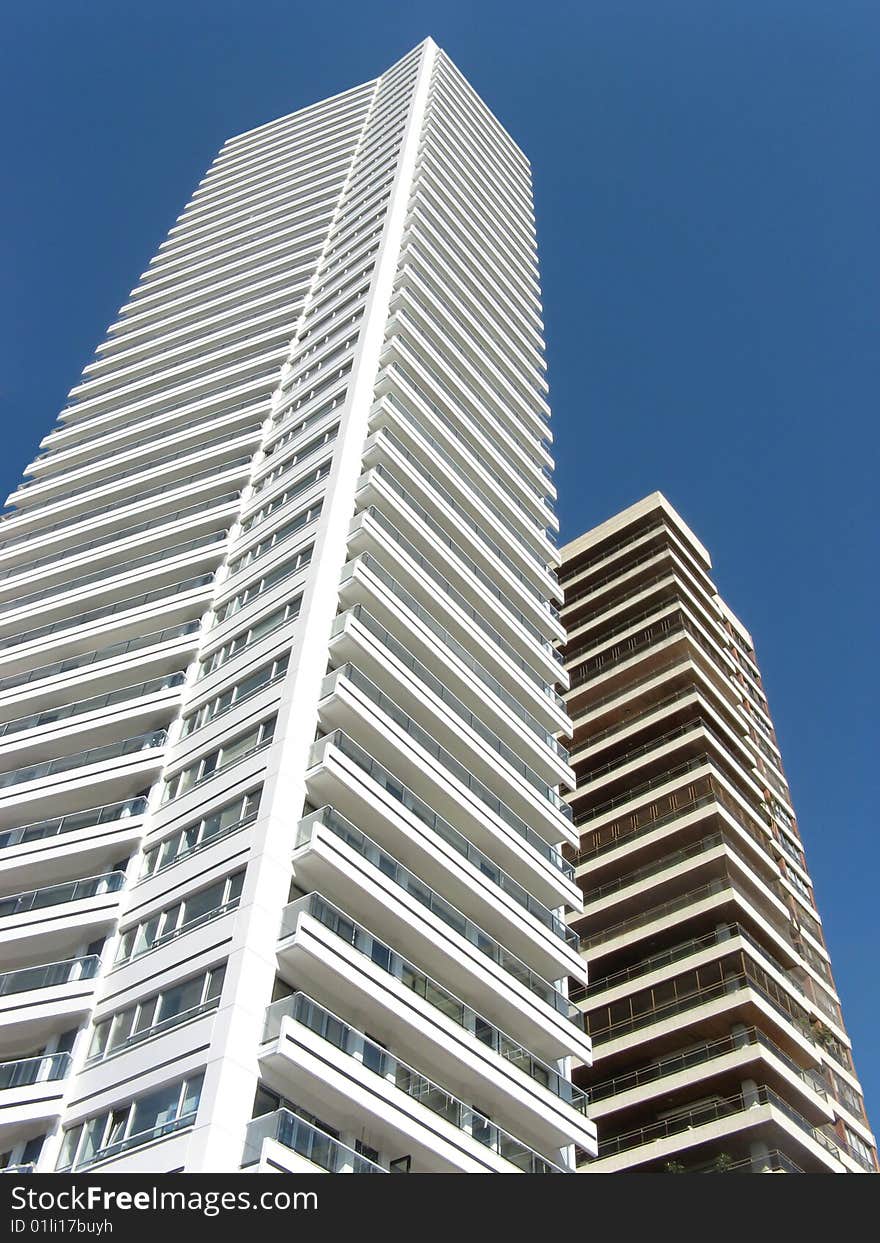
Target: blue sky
707, 191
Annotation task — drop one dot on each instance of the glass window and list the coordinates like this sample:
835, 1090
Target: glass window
156, 1109
202, 903
185, 996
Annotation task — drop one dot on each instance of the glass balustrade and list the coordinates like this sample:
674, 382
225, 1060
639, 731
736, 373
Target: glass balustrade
49, 975
57, 895
32, 1070
93, 817
95, 755
307, 1141
416, 889
376, 1059
458, 1012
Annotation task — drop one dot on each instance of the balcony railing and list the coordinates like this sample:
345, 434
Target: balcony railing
744, 976
476, 527
692, 851
307, 1141
416, 889
519, 826
644, 917
99, 654
111, 538
689, 692
700, 1055
56, 895
31, 1070
474, 614
713, 1111
38, 830
439, 536
513, 702
398, 372
69, 624
87, 516
50, 716
49, 975
488, 869
373, 1057
684, 949
608, 551
106, 575
138, 469
458, 1012
489, 545
455, 705
653, 744
490, 422
95, 755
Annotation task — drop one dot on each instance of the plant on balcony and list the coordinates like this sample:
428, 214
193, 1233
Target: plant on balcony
674, 1167
822, 1035
722, 1163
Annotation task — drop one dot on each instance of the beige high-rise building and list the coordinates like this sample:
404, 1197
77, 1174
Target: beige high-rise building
718, 1039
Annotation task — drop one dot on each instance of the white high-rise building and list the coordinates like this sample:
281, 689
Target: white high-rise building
280, 836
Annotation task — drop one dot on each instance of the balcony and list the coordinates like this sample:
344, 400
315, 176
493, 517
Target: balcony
475, 515
377, 491
399, 806
458, 661
113, 546
630, 830
422, 840
52, 895
39, 1002
464, 606
112, 769
59, 915
79, 841
116, 511
752, 988
28, 1071
335, 1067
331, 854
349, 698
304, 1149
138, 644
719, 1063
95, 703
761, 1111
69, 629
379, 484
31, 1095
342, 964
423, 706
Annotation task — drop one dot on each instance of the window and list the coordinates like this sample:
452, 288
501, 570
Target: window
276, 575
860, 1149
237, 693
157, 1013
146, 1118
195, 909
303, 518
318, 442
226, 819
291, 491
220, 758
279, 617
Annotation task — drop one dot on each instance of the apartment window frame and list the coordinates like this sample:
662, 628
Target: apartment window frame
212, 827
148, 1018
112, 1132
219, 758
177, 920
